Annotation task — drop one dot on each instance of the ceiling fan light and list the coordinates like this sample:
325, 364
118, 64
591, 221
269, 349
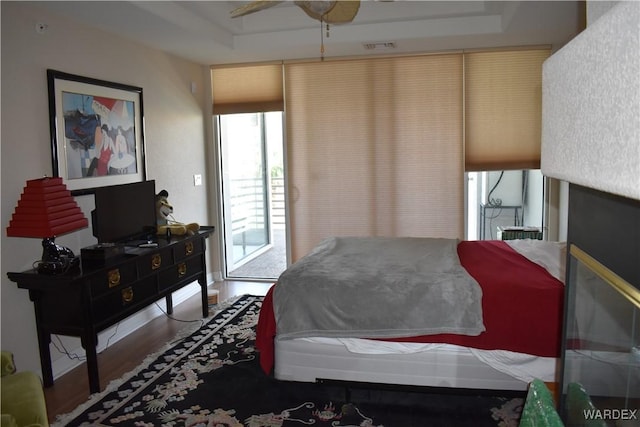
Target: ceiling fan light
318, 7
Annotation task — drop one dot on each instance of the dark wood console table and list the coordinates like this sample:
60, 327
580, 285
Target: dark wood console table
88, 300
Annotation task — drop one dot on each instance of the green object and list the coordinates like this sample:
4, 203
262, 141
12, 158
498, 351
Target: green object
578, 406
22, 400
539, 408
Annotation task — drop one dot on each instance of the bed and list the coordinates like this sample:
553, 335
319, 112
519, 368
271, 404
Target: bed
493, 313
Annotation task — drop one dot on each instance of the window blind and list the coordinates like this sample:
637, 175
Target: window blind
247, 89
503, 109
374, 147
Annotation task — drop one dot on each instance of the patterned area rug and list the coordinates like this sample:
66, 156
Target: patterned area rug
211, 377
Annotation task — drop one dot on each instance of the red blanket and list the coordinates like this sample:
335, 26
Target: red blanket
521, 303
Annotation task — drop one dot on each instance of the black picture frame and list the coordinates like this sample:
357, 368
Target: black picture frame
97, 132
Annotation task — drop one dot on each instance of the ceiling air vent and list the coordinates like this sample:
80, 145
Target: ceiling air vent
379, 45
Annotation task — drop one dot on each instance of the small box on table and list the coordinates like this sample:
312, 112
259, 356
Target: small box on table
100, 254
516, 232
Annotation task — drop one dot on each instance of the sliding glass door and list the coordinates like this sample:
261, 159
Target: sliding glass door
251, 157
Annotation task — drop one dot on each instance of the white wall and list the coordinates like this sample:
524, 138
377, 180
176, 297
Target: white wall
559, 189
177, 140
534, 201
591, 104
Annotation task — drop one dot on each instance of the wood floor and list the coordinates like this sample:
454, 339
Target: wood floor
72, 389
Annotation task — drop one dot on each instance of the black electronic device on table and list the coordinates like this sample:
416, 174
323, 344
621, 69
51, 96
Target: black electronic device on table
125, 214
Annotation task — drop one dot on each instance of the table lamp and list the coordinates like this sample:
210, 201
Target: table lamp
45, 210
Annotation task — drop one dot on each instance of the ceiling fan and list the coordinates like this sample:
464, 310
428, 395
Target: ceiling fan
330, 12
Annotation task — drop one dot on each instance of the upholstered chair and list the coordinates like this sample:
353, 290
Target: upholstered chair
23, 403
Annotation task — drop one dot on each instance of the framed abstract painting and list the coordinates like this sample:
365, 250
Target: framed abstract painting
97, 132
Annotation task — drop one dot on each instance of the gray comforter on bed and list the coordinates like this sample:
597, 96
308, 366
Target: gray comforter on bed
377, 287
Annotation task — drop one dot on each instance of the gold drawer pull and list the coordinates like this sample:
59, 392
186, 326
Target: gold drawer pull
127, 295
156, 261
114, 278
189, 248
182, 269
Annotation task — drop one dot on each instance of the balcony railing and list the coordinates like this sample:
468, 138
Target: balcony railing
277, 203
248, 204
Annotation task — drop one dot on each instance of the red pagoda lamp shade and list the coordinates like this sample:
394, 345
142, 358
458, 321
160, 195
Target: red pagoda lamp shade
46, 209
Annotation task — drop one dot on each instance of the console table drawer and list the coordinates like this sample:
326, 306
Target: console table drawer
182, 270
122, 274
182, 250
119, 300
153, 263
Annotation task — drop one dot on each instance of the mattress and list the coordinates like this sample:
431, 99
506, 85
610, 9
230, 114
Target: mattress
431, 365
462, 362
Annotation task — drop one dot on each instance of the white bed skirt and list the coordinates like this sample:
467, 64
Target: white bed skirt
441, 365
